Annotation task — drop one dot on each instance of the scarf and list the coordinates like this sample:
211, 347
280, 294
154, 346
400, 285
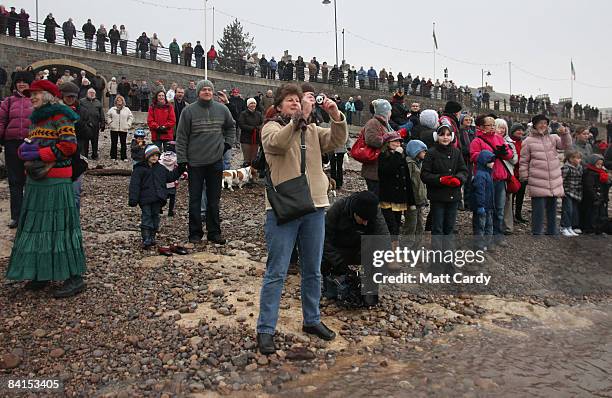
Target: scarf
603, 175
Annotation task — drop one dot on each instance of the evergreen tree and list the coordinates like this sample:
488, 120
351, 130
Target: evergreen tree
233, 46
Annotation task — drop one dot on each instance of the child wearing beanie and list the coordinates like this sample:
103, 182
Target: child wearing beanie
168, 160
413, 217
148, 189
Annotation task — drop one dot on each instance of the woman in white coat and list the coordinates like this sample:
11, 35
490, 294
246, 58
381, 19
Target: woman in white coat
119, 118
501, 129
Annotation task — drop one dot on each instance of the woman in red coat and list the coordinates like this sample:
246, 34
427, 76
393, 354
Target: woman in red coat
161, 120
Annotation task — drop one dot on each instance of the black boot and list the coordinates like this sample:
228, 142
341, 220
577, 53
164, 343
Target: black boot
71, 287
13, 224
265, 343
146, 237
36, 285
152, 238
320, 330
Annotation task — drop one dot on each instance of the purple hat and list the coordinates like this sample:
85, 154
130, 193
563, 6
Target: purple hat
391, 136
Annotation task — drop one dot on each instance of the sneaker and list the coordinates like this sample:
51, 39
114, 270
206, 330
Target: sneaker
577, 230
571, 231
566, 232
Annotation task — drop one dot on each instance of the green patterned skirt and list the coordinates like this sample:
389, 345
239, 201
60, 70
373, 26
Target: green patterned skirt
48, 245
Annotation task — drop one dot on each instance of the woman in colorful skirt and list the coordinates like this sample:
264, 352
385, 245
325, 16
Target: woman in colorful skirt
48, 244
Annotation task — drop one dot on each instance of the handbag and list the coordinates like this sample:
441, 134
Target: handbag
291, 199
362, 152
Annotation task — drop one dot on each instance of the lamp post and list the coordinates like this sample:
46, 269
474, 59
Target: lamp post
335, 26
36, 20
482, 72
205, 44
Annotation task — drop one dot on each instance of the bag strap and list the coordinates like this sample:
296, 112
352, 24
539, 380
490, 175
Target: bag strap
302, 161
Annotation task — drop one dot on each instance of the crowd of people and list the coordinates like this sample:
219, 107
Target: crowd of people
285, 68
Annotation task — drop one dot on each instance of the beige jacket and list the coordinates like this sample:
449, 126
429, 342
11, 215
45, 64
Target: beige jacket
282, 148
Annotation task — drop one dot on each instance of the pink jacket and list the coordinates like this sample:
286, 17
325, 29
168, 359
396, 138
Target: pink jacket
480, 144
15, 122
539, 163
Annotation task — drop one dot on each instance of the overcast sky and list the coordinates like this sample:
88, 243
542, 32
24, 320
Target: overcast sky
538, 37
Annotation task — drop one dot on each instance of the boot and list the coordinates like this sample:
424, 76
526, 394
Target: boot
146, 237
152, 238
72, 286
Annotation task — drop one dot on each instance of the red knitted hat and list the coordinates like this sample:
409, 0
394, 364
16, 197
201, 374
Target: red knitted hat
43, 85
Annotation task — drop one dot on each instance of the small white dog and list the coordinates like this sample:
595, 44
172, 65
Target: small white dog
236, 177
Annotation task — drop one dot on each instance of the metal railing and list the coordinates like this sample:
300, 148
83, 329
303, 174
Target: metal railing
244, 68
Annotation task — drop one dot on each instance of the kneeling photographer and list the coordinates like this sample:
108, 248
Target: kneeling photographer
346, 222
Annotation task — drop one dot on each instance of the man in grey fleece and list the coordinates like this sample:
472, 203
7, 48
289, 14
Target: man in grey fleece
206, 130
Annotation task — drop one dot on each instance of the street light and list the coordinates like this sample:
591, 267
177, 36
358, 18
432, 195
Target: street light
482, 72
335, 26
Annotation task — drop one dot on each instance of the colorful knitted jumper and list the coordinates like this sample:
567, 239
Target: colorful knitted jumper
53, 130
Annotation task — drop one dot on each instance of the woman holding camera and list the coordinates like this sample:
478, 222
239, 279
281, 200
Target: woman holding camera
161, 120
281, 139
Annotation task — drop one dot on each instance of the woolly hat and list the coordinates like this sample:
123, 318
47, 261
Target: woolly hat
43, 85
452, 107
151, 150
429, 118
537, 118
391, 136
382, 107
364, 204
592, 159
69, 89
251, 101
23, 76
140, 133
516, 127
204, 83
414, 147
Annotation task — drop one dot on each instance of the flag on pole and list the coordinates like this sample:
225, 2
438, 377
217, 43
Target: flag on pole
434, 36
573, 70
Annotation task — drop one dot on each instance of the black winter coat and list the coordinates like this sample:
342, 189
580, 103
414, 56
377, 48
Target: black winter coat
443, 161
423, 133
148, 183
394, 181
399, 115
591, 188
89, 30
343, 234
249, 121
92, 117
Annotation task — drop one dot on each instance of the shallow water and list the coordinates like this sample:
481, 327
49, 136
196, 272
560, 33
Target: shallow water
522, 357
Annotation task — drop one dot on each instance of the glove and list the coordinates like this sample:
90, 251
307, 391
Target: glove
28, 152
226, 147
132, 203
454, 182
445, 180
403, 132
399, 149
481, 211
500, 151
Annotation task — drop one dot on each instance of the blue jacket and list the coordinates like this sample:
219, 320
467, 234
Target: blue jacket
361, 74
372, 73
273, 64
148, 184
482, 185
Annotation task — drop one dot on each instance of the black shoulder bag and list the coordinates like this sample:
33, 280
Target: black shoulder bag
291, 199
